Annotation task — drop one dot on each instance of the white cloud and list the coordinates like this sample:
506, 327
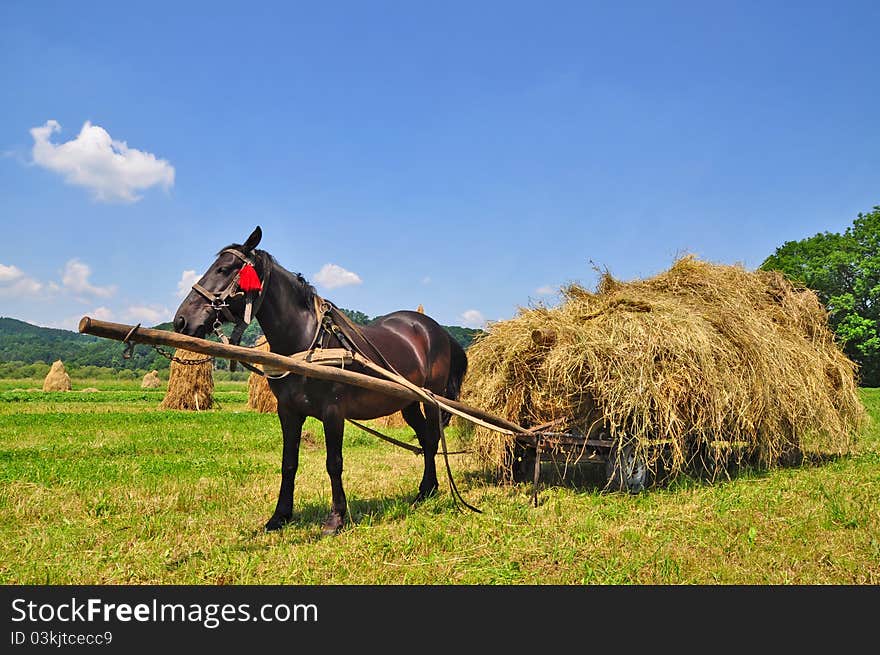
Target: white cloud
72, 322
14, 282
10, 273
108, 168
76, 278
546, 290
102, 314
184, 284
473, 318
149, 314
332, 276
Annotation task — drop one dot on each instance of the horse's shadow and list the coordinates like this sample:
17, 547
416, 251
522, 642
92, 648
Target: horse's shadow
362, 512
591, 477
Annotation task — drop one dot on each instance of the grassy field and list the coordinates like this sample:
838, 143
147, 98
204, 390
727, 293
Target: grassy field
103, 487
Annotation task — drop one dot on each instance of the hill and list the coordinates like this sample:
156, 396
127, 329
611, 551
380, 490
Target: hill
25, 343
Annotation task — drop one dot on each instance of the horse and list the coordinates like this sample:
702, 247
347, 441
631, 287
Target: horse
287, 308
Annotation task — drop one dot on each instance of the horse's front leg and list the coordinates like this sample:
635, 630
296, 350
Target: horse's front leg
334, 426
291, 429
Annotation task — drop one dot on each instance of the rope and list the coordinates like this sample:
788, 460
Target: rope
414, 449
376, 433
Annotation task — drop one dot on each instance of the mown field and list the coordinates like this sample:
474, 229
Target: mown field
105, 488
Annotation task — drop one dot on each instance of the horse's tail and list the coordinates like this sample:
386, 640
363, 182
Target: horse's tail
458, 364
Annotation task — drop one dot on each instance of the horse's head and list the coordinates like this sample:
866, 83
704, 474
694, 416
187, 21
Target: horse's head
224, 292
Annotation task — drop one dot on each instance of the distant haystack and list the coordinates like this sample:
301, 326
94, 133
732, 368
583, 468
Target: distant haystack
57, 379
190, 386
395, 420
260, 396
421, 309
151, 380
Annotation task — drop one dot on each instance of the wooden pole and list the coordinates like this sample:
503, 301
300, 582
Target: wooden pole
119, 332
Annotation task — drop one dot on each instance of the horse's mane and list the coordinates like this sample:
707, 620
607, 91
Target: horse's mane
264, 260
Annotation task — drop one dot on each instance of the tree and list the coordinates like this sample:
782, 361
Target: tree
844, 270
356, 317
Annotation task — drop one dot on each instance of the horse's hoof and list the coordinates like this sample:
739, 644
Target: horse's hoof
276, 523
332, 525
424, 495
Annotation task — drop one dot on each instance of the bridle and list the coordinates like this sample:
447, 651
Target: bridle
219, 300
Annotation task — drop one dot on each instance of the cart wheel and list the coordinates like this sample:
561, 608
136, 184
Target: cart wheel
626, 471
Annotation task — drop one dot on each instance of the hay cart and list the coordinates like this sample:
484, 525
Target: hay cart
625, 472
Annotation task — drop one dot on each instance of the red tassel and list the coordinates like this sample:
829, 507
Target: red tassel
248, 279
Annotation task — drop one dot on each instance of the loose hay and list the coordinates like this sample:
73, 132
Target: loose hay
57, 378
700, 366
151, 380
260, 396
190, 386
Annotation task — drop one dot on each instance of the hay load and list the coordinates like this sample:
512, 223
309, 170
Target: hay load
260, 396
190, 386
57, 378
151, 380
702, 365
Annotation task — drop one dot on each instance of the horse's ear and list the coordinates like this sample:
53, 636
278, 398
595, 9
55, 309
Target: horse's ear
253, 240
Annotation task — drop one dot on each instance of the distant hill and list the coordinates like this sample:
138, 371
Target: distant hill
23, 342
26, 343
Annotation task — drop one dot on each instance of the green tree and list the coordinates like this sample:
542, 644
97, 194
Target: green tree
844, 270
357, 317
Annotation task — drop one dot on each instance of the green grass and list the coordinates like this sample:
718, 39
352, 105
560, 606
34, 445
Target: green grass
107, 488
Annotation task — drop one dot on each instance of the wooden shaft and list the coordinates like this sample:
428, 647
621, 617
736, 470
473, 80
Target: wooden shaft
119, 331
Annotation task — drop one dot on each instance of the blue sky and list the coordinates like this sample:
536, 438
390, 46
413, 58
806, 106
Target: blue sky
472, 157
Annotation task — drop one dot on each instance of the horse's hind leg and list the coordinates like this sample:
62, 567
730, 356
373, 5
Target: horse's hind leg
334, 426
428, 437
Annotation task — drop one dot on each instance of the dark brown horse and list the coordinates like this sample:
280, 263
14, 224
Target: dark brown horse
413, 344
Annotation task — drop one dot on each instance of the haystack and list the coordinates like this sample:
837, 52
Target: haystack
394, 420
260, 396
57, 378
190, 386
151, 380
700, 366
